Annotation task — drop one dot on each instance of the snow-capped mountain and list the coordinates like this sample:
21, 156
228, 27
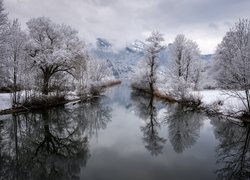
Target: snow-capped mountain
123, 61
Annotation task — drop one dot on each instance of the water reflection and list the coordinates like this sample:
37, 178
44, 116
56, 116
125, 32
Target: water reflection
93, 116
233, 151
50, 144
145, 109
58, 143
183, 127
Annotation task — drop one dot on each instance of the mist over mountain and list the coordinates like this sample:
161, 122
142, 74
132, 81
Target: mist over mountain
123, 61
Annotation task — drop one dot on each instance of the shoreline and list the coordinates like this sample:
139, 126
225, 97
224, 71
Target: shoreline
23, 109
202, 108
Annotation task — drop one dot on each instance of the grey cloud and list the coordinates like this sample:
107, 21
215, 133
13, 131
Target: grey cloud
126, 20
213, 26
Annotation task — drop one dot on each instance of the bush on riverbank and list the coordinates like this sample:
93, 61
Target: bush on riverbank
44, 101
96, 89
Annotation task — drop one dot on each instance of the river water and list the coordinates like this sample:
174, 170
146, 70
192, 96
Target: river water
123, 135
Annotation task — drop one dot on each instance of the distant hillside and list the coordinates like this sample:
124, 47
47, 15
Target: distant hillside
124, 61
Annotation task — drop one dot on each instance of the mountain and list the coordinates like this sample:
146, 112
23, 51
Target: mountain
123, 62
207, 57
103, 44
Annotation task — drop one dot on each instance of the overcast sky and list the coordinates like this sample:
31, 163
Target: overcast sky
122, 21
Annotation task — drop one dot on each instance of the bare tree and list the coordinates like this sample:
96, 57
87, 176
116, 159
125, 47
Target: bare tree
232, 62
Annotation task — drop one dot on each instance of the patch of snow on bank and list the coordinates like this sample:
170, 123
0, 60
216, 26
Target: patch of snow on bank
228, 103
5, 101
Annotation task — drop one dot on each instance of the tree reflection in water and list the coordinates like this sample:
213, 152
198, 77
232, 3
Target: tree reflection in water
94, 115
51, 144
233, 151
146, 110
184, 127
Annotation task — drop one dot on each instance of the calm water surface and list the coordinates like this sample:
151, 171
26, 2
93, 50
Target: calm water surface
122, 135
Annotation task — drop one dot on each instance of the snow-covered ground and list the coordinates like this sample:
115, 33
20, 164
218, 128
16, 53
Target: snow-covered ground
5, 98
5, 101
216, 100
221, 101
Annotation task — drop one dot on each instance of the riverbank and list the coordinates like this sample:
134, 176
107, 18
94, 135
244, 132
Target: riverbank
213, 102
157, 94
48, 101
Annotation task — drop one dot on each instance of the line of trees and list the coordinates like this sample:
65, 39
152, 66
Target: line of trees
183, 70
230, 68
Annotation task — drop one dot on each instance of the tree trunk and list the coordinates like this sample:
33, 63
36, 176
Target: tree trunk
248, 103
15, 81
187, 69
151, 81
179, 64
45, 89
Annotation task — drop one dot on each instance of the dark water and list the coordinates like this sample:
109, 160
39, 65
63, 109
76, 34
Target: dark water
120, 136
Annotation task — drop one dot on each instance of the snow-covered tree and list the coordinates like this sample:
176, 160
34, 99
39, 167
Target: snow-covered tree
3, 23
184, 65
52, 48
149, 66
91, 72
3, 51
16, 53
232, 62
98, 70
184, 57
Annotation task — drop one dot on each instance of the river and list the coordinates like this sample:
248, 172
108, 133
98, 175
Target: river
122, 135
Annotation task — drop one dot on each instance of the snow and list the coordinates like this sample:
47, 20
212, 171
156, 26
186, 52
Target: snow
216, 100
5, 102
210, 98
5, 98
